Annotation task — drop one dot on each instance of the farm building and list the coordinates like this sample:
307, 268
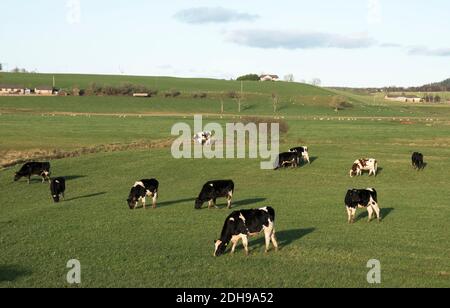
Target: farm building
11, 89
44, 90
269, 77
404, 99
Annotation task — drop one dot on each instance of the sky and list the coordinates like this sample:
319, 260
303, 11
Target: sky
355, 43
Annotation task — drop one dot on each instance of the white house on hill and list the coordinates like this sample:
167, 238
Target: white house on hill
269, 77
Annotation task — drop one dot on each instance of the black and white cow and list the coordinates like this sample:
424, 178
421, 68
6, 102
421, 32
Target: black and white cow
141, 190
303, 152
58, 189
213, 190
286, 159
364, 164
241, 225
34, 168
417, 161
203, 138
362, 198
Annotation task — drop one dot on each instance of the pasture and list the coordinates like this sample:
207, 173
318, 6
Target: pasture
172, 246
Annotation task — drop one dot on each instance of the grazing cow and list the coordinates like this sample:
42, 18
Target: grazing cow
140, 191
364, 164
203, 138
58, 188
417, 161
213, 190
241, 225
303, 153
286, 159
362, 198
34, 168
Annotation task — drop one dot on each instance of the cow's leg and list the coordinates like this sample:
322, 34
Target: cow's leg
144, 201
370, 211
245, 243
349, 215
29, 179
235, 242
274, 240
377, 210
268, 231
155, 198
210, 204
215, 204
353, 215
230, 197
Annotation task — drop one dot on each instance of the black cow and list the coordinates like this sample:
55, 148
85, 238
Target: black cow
417, 161
213, 190
34, 168
362, 198
58, 188
241, 225
303, 153
141, 190
286, 159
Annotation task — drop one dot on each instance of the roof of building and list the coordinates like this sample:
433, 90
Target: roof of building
44, 88
11, 86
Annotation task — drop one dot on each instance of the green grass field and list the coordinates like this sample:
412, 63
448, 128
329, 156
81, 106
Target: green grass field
173, 245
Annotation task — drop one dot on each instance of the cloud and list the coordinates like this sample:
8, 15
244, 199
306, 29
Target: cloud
429, 52
269, 39
374, 12
73, 16
391, 45
204, 15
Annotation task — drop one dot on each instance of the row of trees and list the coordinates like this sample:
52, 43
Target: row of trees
287, 78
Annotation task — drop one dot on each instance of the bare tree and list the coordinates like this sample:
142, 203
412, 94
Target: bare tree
289, 78
275, 102
316, 82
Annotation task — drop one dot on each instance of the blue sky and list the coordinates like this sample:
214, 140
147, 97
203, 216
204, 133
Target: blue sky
342, 42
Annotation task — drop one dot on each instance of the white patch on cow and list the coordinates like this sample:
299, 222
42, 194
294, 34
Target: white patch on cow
139, 184
264, 209
242, 218
212, 185
232, 219
216, 246
370, 189
57, 182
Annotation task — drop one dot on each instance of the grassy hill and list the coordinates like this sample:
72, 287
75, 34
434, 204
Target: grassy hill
118, 140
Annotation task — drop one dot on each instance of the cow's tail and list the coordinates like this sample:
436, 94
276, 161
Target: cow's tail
374, 194
271, 212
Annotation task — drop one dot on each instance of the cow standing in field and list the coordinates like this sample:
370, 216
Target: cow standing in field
362, 198
286, 159
303, 153
417, 161
58, 189
141, 190
34, 168
364, 164
203, 138
241, 225
213, 190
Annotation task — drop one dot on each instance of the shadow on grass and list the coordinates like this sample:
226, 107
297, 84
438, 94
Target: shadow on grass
384, 213
10, 273
86, 196
73, 177
246, 202
284, 238
173, 202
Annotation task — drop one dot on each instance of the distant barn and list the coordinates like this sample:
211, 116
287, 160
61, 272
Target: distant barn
269, 77
44, 90
11, 89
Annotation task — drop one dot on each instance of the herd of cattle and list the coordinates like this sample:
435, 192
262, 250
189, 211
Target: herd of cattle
240, 225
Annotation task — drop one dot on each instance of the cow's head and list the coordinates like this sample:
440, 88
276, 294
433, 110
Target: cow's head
198, 203
16, 177
219, 248
132, 202
55, 198
354, 170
